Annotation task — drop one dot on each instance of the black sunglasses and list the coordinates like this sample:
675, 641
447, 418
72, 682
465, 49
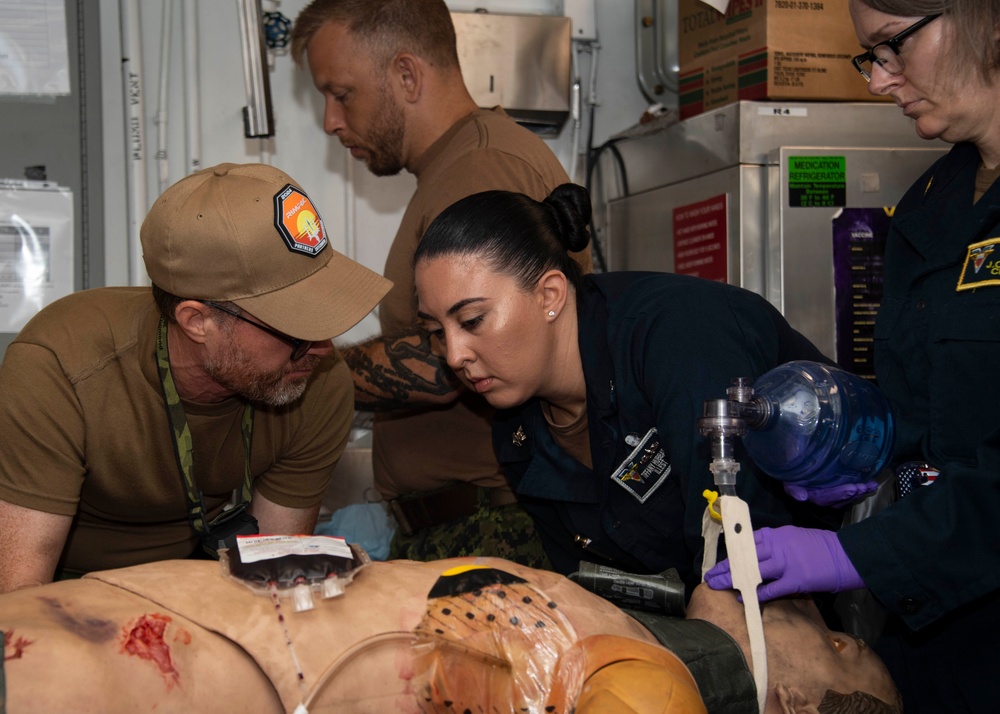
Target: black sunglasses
886, 54
299, 347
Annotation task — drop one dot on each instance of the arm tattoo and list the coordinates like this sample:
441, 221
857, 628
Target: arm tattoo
400, 372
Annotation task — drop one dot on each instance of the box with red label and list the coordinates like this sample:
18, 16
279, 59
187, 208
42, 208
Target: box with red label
766, 49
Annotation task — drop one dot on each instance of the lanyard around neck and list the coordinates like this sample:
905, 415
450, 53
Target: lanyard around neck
181, 435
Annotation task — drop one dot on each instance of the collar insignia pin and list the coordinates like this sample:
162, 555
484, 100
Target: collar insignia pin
519, 437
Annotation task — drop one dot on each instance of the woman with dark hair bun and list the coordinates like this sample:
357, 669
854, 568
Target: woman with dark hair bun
600, 378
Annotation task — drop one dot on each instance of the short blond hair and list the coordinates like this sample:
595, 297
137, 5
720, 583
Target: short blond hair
385, 27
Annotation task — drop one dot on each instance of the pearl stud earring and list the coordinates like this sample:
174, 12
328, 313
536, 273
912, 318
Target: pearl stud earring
552, 313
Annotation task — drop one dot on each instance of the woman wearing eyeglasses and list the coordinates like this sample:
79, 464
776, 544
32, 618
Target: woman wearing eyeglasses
933, 558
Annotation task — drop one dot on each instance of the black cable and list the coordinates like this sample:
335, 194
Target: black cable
593, 155
612, 146
602, 264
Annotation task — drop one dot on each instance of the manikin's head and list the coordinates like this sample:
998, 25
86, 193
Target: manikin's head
806, 661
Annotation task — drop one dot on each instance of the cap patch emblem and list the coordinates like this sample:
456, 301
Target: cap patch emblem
298, 222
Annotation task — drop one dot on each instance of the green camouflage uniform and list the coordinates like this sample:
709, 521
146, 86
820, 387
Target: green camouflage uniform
496, 531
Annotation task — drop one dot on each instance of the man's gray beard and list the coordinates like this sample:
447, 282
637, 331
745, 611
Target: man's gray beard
275, 395
237, 372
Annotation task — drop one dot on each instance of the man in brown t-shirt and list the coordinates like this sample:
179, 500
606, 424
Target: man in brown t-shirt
395, 96
133, 417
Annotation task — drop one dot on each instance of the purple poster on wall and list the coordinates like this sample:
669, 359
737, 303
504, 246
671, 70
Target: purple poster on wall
858, 248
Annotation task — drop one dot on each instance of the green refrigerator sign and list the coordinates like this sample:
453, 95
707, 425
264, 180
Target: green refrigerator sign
817, 181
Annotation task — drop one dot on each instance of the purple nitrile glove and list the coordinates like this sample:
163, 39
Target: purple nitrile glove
794, 560
836, 496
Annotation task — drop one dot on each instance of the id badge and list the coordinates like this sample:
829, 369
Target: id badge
644, 469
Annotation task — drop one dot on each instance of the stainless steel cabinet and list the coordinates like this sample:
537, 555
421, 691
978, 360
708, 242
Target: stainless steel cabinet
769, 180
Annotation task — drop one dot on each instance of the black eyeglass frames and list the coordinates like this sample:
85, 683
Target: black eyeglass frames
299, 347
886, 54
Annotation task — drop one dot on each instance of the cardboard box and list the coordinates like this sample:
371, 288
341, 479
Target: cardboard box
766, 49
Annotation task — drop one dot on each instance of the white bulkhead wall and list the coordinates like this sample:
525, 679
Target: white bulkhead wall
361, 211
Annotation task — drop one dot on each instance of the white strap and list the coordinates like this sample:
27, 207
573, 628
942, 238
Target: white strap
745, 571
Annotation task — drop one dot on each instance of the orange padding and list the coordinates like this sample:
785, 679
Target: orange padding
626, 676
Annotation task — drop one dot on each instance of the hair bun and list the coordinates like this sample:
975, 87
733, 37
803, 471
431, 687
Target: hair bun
571, 209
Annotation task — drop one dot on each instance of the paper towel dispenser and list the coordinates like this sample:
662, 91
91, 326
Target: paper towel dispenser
520, 62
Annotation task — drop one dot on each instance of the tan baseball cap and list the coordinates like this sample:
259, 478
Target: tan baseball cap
247, 233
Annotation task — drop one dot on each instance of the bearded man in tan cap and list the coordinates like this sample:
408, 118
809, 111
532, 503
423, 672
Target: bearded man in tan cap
149, 424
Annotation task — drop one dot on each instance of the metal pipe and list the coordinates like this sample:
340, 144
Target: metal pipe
135, 128
258, 117
575, 102
162, 161
192, 89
